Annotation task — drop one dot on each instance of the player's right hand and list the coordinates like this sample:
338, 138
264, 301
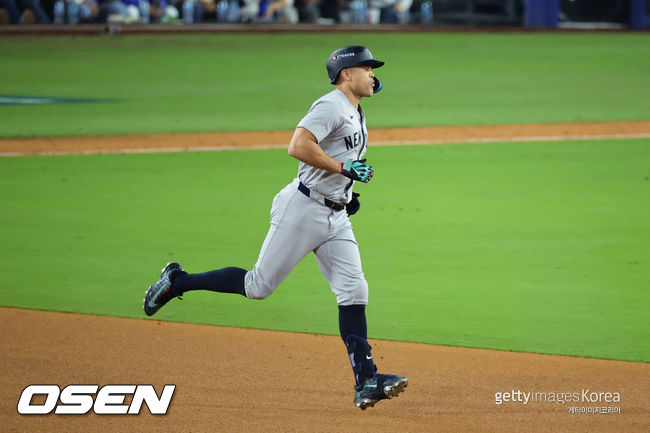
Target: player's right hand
357, 170
354, 205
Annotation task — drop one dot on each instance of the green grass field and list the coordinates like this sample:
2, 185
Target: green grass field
187, 83
524, 246
537, 247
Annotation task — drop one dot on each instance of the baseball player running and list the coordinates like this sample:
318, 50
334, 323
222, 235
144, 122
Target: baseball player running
312, 214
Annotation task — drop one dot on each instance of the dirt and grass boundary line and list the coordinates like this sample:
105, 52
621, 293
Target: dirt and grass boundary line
212, 141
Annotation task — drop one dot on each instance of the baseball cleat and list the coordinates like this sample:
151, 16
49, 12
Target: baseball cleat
161, 291
378, 387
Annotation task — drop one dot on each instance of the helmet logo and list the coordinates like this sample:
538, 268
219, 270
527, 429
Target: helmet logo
334, 58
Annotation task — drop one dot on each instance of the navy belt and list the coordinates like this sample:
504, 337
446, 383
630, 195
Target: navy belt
327, 202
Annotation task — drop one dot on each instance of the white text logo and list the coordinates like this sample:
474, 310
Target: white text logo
80, 399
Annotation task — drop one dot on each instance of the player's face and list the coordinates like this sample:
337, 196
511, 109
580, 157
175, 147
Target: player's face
362, 80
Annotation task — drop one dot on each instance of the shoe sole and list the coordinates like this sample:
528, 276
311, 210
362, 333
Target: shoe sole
366, 403
389, 392
395, 390
150, 311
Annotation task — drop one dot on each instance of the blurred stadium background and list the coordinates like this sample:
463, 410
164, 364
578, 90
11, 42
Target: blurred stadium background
601, 14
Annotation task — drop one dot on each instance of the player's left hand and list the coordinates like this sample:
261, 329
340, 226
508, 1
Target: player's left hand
354, 205
357, 170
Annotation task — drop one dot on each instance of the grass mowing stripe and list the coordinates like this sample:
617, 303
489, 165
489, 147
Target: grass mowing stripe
192, 83
519, 246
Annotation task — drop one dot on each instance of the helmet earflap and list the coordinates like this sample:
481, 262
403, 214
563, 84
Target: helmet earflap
378, 85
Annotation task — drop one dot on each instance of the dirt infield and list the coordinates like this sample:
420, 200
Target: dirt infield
238, 380
274, 139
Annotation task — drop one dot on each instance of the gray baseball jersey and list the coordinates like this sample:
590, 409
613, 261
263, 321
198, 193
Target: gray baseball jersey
301, 224
341, 132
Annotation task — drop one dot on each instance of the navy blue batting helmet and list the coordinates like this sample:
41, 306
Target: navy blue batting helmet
349, 57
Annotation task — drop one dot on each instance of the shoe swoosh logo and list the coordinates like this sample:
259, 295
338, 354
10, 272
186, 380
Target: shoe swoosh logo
152, 302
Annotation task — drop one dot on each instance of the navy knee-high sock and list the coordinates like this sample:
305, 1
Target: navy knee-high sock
352, 321
226, 280
354, 332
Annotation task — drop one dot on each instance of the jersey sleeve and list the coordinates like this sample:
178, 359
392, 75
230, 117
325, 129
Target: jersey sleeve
321, 119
